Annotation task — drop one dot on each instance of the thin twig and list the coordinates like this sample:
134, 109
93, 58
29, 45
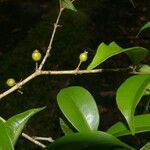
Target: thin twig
49, 139
56, 25
75, 72
33, 140
18, 85
36, 73
67, 72
39, 71
139, 73
78, 67
51, 72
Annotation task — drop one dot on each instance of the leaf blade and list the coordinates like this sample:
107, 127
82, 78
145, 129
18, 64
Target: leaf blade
127, 102
146, 146
15, 124
75, 102
105, 52
5, 142
142, 124
144, 27
86, 141
68, 5
144, 68
65, 128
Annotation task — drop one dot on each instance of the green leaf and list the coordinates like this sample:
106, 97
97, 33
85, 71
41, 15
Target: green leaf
144, 68
65, 128
15, 124
136, 54
5, 142
87, 141
129, 95
145, 26
147, 92
79, 107
104, 52
146, 147
2, 119
68, 5
142, 124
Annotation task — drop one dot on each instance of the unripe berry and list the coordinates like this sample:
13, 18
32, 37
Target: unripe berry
11, 82
36, 55
83, 56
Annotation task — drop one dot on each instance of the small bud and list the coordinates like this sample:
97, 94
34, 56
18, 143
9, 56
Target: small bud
11, 82
83, 56
36, 55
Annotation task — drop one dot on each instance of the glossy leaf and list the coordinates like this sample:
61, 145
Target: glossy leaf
136, 54
65, 128
16, 123
142, 124
144, 27
128, 96
87, 141
68, 5
104, 52
2, 119
146, 147
147, 92
5, 141
144, 68
79, 107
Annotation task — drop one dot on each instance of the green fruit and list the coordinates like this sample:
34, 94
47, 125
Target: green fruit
83, 56
11, 82
36, 55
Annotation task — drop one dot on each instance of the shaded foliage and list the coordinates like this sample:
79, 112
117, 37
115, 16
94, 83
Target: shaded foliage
27, 25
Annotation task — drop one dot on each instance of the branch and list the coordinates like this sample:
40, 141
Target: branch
49, 139
36, 73
39, 70
76, 72
67, 72
33, 140
51, 72
139, 72
56, 25
19, 85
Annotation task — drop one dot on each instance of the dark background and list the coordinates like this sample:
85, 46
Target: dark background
27, 25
